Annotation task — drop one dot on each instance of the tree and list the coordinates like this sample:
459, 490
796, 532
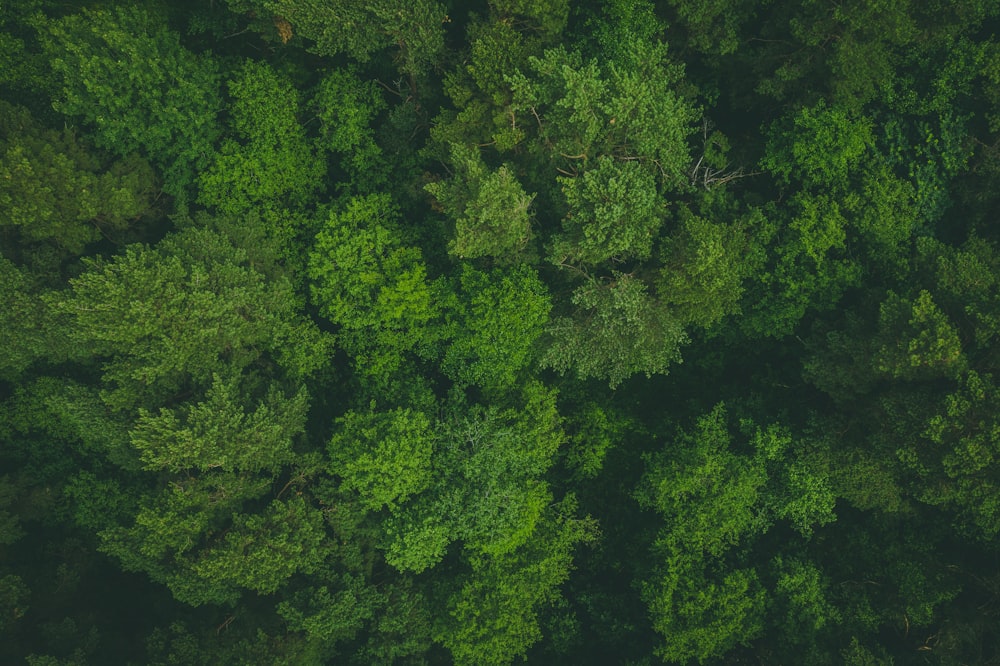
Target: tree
624, 23
705, 598
13, 595
347, 107
375, 288
919, 339
481, 88
630, 112
549, 16
490, 208
715, 26
34, 335
207, 552
704, 267
822, 148
261, 551
326, 616
954, 458
125, 73
172, 316
500, 316
204, 353
701, 616
617, 331
487, 488
219, 433
614, 213
360, 29
58, 191
493, 613
268, 165
383, 456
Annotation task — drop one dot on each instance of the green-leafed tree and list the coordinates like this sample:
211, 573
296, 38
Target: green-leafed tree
33, 333
53, 189
630, 112
203, 353
372, 285
548, 16
481, 88
499, 317
267, 165
705, 265
361, 29
618, 330
326, 616
614, 214
623, 23
383, 456
820, 156
167, 318
487, 486
705, 599
493, 614
126, 74
347, 107
219, 434
490, 209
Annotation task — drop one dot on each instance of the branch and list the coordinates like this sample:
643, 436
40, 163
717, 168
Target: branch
562, 264
537, 119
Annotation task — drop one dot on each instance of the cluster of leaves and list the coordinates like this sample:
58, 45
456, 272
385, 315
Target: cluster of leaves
340, 332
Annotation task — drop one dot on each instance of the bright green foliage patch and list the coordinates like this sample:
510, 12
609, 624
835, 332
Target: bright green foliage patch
500, 318
490, 208
268, 164
371, 284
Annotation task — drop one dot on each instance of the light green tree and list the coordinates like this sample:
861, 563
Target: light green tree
218, 433
821, 147
488, 489
383, 456
704, 266
347, 107
917, 339
500, 315
493, 614
267, 164
628, 111
364, 279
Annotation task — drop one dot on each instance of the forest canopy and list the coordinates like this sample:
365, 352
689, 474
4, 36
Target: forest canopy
439, 332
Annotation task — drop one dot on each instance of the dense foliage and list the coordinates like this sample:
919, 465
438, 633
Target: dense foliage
432, 332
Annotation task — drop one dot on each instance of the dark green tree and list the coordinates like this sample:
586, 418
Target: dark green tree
126, 74
54, 189
618, 330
